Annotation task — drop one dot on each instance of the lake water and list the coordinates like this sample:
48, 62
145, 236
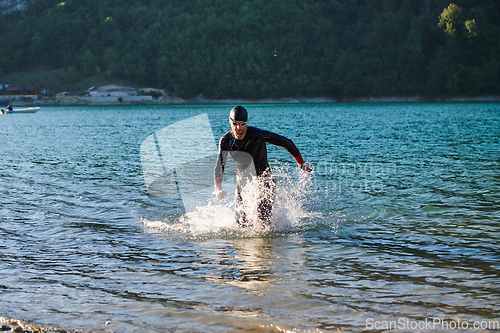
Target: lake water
398, 226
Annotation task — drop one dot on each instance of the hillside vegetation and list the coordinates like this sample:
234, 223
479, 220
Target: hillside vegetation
264, 48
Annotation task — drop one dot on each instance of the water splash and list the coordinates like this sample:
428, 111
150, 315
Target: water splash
217, 218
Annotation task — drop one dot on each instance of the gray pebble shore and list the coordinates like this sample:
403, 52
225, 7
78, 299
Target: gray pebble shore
13, 325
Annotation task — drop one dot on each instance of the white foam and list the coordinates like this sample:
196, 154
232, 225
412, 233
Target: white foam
218, 218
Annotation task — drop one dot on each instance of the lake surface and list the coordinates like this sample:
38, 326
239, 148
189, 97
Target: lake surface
398, 226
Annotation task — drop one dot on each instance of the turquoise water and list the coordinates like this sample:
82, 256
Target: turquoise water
398, 225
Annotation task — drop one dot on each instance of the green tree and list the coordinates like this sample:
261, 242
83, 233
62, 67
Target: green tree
452, 20
258, 49
89, 63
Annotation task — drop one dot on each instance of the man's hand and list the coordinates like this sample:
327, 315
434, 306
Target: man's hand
306, 168
220, 194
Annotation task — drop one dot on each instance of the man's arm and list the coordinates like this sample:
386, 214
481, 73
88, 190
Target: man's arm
300, 161
281, 141
219, 172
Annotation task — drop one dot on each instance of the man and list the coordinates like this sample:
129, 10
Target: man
247, 146
7, 109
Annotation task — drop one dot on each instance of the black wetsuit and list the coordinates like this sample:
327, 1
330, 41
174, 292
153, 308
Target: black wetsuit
252, 148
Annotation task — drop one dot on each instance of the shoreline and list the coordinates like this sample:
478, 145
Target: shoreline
168, 100
15, 325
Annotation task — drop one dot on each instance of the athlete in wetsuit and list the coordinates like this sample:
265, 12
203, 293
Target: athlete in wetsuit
247, 146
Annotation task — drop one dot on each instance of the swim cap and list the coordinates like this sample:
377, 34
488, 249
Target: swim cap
238, 113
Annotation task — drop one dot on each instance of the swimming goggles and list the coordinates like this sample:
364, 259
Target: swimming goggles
241, 123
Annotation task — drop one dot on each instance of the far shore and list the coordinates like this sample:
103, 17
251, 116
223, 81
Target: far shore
168, 100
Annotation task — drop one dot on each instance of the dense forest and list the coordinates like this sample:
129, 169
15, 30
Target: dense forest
265, 48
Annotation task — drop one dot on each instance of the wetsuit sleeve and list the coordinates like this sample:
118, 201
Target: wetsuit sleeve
219, 165
281, 141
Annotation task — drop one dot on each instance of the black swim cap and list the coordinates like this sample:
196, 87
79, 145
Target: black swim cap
238, 113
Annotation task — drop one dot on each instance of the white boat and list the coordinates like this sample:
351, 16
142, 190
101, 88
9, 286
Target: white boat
25, 110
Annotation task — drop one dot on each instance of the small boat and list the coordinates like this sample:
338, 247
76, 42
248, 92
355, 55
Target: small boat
25, 110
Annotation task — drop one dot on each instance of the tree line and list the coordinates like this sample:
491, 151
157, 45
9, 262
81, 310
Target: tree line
265, 48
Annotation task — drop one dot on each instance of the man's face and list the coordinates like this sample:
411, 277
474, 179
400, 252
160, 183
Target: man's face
239, 128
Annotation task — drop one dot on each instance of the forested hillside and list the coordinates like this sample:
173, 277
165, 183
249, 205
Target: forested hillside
265, 48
